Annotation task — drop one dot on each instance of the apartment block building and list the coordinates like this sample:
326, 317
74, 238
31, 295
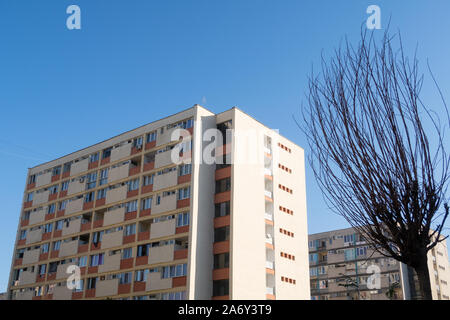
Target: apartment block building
146, 215
344, 267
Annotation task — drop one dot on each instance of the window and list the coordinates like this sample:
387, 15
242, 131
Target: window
51, 208
222, 234
29, 197
101, 194
146, 204
141, 275
131, 206
127, 253
45, 247
225, 130
151, 136
32, 179
97, 237
91, 283
142, 250
137, 142
222, 209
106, 153
148, 180
129, 230
183, 219
66, 167
104, 176
174, 271
79, 286
184, 193
42, 269
222, 260
94, 157
56, 245
48, 228
82, 261
23, 234
53, 189
65, 185
133, 184
185, 169
223, 185
62, 205
96, 260
89, 197
59, 224
125, 278
56, 171
220, 287
91, 180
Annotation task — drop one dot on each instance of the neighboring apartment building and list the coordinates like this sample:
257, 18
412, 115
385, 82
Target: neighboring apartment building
141, 225
341, 262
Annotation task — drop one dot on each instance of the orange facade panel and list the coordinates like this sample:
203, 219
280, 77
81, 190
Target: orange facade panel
223, 173
222, 197
222, 221
221, 247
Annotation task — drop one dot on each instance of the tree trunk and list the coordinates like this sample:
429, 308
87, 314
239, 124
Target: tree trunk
423, 277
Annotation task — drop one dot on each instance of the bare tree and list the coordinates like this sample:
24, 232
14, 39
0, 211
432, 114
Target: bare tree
371, 154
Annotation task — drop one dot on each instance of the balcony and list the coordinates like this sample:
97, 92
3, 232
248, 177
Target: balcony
112, 239
111, 263
62, 293
116, 194
37, 217
163, 159
73, 226
68, 248
31, 256
34, 236
25, 295
121, 152
74, 206
119, 172
76, 186
161, 254
165, 137
43, 179
41, 197
165, 180
162, 229
79, 167
27, 277
114, 216
167, 203
155, 282
61, 271
107, 288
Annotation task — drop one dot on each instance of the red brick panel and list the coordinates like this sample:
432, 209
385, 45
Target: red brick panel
66, 174
145, 212
184, 179
143, 236
49, 216
124, 288
24, 223
28, 204
139, 286
46, 236
90, 293
52, 197
129, 239
182, 229
88, 205
148, 188
222, 197
56, 178
83, 248
223, 173
180, 254
221, 247
93, 165
126, 263
183, 203
130, 215
105, 161
43, 256
100, 202
222, 221
179, 282
63, 194
77, 295
31, 185
221, 274
141, 261
134, 171
150, 145
149, 166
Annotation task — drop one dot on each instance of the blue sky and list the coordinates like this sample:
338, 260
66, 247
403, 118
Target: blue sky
137, 61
